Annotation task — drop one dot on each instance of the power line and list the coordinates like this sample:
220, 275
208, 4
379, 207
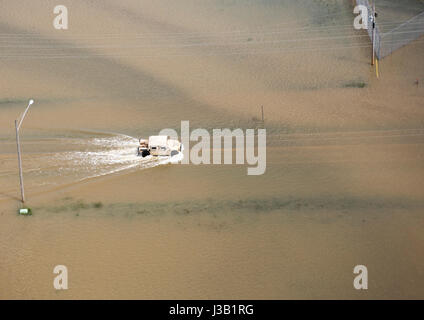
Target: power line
257, 52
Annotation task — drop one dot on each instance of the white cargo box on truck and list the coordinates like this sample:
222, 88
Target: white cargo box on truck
159, 146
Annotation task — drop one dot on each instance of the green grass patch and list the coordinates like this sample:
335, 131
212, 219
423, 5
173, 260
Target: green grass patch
355, 84
12, 101
75, 206
97, 205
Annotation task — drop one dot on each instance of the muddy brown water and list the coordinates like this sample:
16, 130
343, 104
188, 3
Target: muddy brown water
343, 184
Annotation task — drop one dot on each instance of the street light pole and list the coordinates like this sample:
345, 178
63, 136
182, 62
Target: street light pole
18, 146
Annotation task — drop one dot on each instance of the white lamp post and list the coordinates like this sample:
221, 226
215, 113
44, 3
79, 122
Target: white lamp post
18, 124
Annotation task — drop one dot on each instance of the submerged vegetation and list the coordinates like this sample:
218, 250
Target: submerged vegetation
97, 205
5, 101
70, 205
212, 206
355, 84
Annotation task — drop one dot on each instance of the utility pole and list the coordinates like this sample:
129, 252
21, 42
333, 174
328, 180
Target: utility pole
374, 16
262, 108
18, 146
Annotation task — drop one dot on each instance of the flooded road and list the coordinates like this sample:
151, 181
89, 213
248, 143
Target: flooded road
345, 152
75, 160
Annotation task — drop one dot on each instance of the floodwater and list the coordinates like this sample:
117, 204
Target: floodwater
343, 184
58, 162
